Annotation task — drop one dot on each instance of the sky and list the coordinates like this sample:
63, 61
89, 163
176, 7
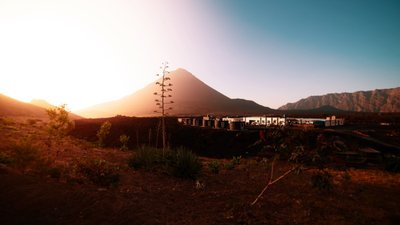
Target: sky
83, 53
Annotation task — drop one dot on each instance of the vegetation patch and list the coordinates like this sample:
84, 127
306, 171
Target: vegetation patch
25, 156
100, 172
59, 122
180, 162
185, 164
124, 139
233, 163
145, 157
214, 166
103, 133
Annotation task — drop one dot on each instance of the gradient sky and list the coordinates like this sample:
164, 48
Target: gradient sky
273, 52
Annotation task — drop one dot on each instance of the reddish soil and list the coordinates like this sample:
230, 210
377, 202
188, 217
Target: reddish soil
28, 196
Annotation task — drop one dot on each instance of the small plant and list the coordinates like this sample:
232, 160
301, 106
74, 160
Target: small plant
236, 160
25, 154
181, 163
233, 163
103, 133
322, 180
100, 172
229, 165
214, 167
124, 139
186, 164
145, 157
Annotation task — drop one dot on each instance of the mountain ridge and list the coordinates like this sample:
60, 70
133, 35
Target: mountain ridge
378, 100
191, 96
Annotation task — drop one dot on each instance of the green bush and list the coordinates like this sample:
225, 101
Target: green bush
100, 172
145, 157
230, 165
124, 139
214, 166
103, 133
233, 163
181, 162
186, 164
392, 163
322, 180
236, 159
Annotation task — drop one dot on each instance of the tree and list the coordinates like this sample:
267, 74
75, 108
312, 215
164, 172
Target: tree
162, 96
59, 123
103, 132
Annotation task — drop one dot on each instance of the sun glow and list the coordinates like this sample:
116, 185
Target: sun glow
78, 53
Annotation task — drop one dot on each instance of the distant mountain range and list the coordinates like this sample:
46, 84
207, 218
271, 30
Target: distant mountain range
191, 96
379, 100
13, 107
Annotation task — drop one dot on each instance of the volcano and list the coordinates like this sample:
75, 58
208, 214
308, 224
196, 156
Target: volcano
190, 95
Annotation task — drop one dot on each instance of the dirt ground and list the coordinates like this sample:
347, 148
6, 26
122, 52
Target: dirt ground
31, 196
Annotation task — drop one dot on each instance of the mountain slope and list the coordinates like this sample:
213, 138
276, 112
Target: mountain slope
45, 105
191, 97
12, 107
379, 100
41, 103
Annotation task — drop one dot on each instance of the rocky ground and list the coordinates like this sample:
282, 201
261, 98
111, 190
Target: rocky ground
45, 188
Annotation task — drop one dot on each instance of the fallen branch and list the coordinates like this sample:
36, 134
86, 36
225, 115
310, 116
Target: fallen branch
270, 182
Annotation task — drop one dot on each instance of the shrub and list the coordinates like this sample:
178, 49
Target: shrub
322, 180
236, 159
214, 166
145, 157
124, 139
181, 163
392, 163
103, 132
100, 172
233, 163
25, 154
59, 124
230, 165
186, 164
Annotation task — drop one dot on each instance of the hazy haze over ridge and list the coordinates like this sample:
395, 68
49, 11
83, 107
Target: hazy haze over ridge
84, 52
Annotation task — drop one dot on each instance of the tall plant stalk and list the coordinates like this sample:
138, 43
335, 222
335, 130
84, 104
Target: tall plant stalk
161, 100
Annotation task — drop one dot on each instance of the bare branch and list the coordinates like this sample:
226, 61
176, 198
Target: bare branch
273, 181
